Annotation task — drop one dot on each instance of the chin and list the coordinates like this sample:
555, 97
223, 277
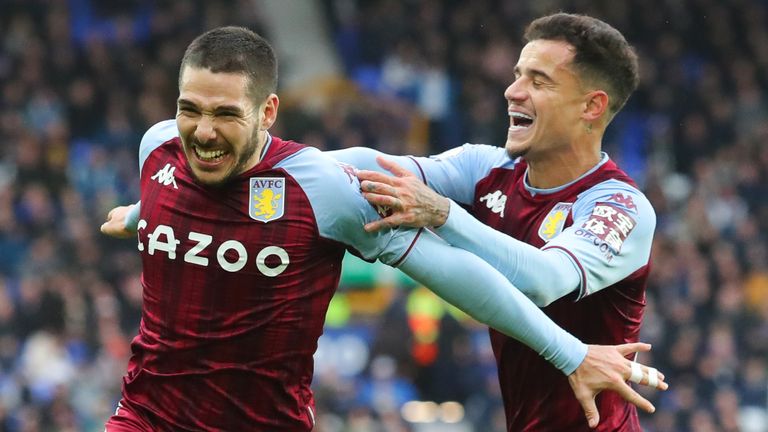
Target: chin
515, 150
209, 179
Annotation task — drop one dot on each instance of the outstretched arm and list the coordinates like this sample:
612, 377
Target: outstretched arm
578, 257
475, 287
121, 221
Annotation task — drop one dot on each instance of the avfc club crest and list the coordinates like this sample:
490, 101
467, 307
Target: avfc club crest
552, 225
266, 201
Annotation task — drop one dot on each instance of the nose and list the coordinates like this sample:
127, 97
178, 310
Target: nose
206, 129
516, 91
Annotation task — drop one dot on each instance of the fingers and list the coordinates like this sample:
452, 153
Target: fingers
393, 167
375, 176
634, 397
383, 200
646, 375
627, 349
590, 410
378, 188
388, 222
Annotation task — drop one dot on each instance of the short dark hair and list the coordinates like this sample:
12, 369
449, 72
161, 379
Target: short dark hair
602, 56
235, 50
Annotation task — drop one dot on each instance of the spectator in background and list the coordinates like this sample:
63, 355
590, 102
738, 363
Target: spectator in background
229, 334
687, 67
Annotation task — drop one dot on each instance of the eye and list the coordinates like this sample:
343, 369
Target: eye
188, 110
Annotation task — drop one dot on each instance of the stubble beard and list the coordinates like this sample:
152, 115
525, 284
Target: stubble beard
515, 153
240, 166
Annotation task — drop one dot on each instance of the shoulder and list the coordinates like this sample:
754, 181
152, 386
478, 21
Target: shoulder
309, 164
616, 206
156, 136
160, 133
618, 193
479, 153
326, 181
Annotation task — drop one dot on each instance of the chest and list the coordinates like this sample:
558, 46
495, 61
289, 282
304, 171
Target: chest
502, 202
257, 224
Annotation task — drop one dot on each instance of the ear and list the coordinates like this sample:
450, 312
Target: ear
269, 110
596, 104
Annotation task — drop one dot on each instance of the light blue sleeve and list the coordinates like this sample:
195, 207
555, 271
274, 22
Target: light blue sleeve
519, 262
341, 211
610, 239
611, 235
132, 217
459, 277
364, 158
152, 139
452, 174
475, 287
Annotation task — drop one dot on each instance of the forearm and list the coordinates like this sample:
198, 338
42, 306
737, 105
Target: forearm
473, 286
543, 276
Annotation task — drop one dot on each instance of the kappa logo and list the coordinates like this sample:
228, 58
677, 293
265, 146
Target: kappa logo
554, 222
266, 198
165, 177
349, 170
495, 201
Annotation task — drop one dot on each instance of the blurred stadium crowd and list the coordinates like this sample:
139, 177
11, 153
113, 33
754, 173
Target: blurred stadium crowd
81, 80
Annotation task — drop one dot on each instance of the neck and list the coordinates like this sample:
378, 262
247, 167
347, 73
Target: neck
563, 166
261, 136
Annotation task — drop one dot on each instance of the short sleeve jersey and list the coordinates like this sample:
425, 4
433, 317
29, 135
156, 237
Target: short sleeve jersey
603, 223
236, 283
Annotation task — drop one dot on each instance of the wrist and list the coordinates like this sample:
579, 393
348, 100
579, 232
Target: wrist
441, 212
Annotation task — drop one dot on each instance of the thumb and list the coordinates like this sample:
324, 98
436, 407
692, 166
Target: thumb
590, 411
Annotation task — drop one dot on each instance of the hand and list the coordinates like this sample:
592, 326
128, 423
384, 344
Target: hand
115, 224
606, 367
412, 202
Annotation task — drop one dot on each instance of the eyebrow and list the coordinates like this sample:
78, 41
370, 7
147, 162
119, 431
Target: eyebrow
221, 108
536, 73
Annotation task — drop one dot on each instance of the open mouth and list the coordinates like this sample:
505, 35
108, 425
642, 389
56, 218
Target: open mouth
520, 120
210, 156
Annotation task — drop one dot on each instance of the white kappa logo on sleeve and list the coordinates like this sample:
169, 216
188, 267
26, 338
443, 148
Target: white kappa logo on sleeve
165, 177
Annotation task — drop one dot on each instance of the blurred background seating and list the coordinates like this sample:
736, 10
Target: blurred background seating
81, 80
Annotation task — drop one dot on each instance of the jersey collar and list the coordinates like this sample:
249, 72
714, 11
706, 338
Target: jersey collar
535, 191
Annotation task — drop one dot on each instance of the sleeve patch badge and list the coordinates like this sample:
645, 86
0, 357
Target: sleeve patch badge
610, 224
624, 200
